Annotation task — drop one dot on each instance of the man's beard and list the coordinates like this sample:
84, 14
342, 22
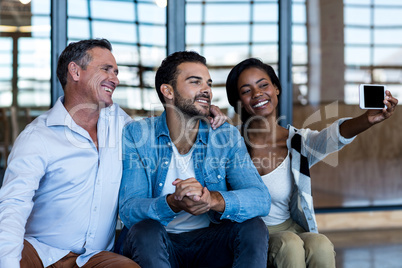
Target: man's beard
187, 107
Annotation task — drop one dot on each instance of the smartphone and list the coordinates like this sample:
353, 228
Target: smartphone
372, 96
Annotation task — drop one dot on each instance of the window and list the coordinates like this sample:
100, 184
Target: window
227, 32
137, 31
25, 54
373, 46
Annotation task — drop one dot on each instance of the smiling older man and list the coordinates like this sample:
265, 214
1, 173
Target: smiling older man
58, 203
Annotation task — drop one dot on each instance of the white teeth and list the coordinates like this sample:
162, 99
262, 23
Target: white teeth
107, 89
260, 104
204, 101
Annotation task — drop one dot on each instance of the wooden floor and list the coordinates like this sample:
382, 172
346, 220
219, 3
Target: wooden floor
368, 248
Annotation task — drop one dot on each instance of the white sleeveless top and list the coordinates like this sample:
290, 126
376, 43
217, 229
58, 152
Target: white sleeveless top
279, 183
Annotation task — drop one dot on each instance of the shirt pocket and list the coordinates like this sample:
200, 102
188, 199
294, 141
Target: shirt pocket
215, 177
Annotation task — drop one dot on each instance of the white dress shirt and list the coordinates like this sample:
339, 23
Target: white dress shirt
59, 192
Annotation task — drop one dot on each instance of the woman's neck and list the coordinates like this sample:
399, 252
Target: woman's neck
263, 130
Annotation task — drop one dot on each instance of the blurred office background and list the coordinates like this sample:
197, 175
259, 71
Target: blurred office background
321, 49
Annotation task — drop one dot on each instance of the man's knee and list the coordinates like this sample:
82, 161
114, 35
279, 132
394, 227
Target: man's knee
146, 234
144, 231
109, 259
253, 231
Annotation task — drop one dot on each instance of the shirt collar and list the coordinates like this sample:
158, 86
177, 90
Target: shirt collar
163, 130
59, 116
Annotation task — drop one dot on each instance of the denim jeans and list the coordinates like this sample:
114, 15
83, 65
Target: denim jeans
228, 244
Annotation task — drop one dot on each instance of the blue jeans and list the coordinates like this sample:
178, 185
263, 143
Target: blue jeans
228, 244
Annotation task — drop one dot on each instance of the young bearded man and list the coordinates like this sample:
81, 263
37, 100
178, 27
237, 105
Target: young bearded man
190, 195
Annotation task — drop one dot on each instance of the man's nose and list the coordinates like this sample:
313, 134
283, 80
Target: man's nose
113, 77
207, 88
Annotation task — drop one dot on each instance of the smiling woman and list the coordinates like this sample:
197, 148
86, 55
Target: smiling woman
257, 92
290, 153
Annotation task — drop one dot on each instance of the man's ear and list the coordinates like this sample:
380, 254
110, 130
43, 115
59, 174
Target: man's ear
74, 70
167, 91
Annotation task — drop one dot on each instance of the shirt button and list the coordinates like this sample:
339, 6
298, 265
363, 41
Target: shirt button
309, 218
160, 184
95, 208
228, 216
219, 176
169, 143
166, 162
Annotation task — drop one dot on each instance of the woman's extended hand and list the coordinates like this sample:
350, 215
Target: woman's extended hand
377, 116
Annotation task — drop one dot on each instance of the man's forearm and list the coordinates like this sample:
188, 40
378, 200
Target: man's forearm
217, 202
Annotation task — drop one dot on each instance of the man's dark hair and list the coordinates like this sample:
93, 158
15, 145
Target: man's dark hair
77, 52
233, 77
167, 73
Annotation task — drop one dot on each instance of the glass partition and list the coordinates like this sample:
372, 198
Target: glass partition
227, 32
337, 46
24, 67
25, 54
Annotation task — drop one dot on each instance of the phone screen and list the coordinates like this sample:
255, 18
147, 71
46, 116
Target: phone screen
374, 96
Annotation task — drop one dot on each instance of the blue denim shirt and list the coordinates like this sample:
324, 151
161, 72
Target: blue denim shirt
221, 163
